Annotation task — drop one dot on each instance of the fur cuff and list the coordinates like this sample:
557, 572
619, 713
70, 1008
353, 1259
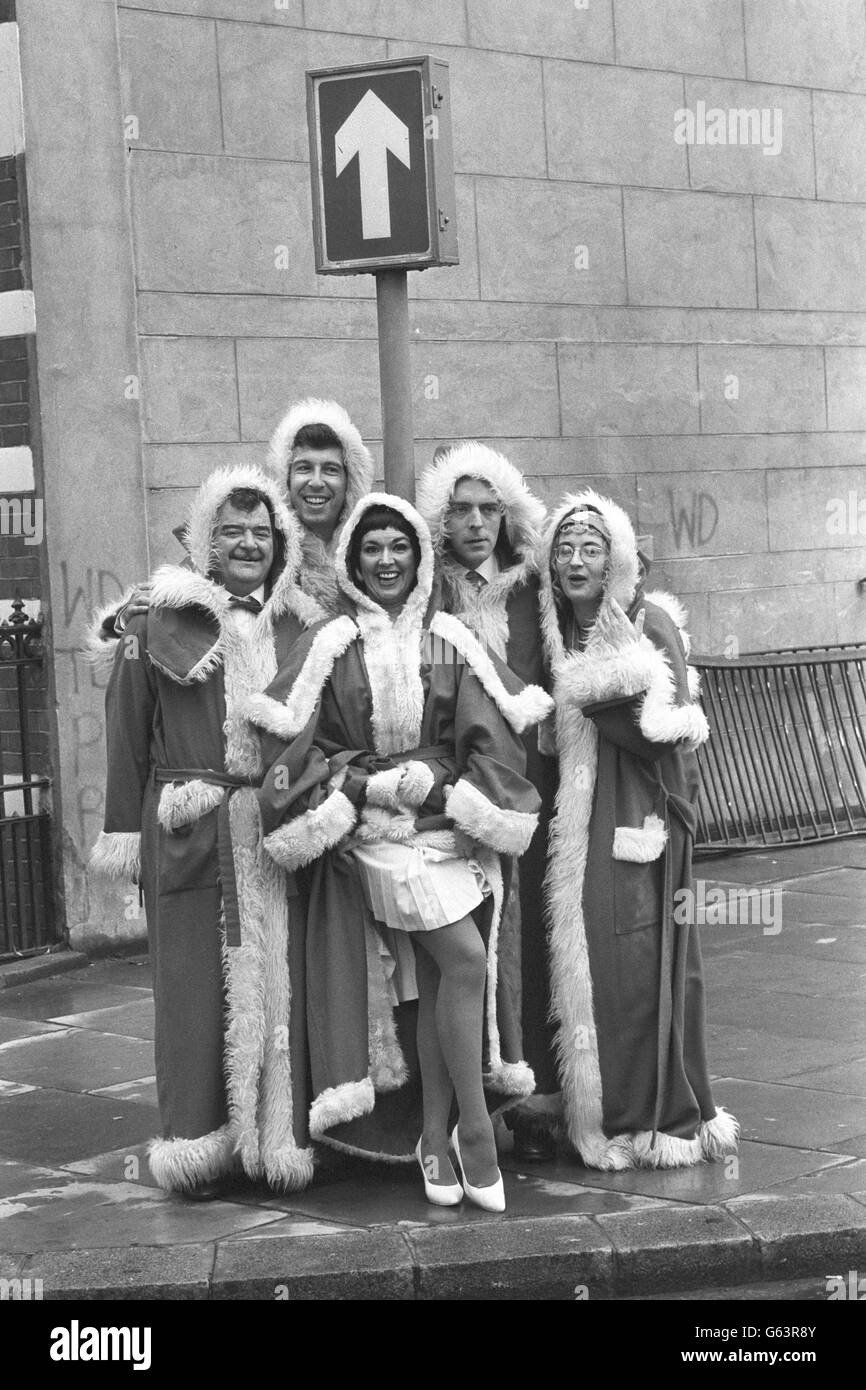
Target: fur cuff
528, 707
179, 1164
640, 844
509, 832
288, 1169
511, 1079
303, 840
339, 1104
608, 1155
117, 854
378, 824
399, 788
667, 1152
663, 721
287, 720
590, 678
181, 803
721, 1135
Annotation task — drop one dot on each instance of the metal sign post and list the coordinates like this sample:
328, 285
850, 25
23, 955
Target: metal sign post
382, 169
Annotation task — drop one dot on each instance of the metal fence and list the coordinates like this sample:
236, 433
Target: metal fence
786, 760
28, 918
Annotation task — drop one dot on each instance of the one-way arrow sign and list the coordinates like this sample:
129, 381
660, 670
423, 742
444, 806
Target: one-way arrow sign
382, 166
370, 132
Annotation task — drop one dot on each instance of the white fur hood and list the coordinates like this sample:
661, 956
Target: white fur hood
356, 455
417, 602
524, 514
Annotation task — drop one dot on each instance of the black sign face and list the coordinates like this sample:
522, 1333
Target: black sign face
372, 145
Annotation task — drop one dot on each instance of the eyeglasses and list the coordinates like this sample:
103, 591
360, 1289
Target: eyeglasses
591, 550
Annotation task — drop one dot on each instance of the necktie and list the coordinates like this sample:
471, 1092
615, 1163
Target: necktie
475, 579
251, 604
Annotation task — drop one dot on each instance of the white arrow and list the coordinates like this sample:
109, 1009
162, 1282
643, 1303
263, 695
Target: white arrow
370, 132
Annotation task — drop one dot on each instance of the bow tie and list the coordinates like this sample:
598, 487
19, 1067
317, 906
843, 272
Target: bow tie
475, 579
251, 604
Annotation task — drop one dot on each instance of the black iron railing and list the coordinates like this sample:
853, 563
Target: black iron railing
786, 760
28, 920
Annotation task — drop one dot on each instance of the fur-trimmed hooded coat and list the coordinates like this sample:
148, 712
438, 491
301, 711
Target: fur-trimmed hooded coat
504, 615
316, 575
230, 1044
403, 731
627, 984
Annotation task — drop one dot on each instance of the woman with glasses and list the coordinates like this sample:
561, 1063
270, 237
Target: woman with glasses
626, 978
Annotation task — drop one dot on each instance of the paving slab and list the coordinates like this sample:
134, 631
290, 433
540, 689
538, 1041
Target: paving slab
848, 1078
834, 883
676, 1247
56, 1127
796, 1115
823, 910
561, 1257
358, 1265
787, 1015
132, 1020
781, 973
754, 1168
847, 1177
126, 1164
20, 972
48, 999
754, 1054
143, 1090
14, 1029
61, 1211
811, 941
814, 1234
176, 1272
76, 1060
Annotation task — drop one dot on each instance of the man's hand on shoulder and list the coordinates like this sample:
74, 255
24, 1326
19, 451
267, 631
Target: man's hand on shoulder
137, 604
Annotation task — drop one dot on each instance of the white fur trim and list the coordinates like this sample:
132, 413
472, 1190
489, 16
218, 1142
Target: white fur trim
592, 677
509, 832
391, 658
356, 455
528, 707
288, 719
211, 496
671, 605
693, 676
640, 844
181, 803
668, 1151
179, 1164
663, 721
338, 1104
720, 1136
524, 513
100, 645
304, 839
400, 788
117, 854
511, 1079
258, 1061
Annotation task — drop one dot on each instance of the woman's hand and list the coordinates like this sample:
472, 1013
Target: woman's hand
616, 628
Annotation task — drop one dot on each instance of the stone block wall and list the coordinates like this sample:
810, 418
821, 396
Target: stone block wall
679, 324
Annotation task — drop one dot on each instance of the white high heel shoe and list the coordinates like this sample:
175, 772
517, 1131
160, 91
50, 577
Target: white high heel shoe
440, 1194
492, 1197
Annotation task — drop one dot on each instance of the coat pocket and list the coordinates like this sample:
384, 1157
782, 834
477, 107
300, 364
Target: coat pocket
638, 874
188, 856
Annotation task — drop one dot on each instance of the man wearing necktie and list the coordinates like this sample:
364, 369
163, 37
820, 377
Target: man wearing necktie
486, 528
181, 818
